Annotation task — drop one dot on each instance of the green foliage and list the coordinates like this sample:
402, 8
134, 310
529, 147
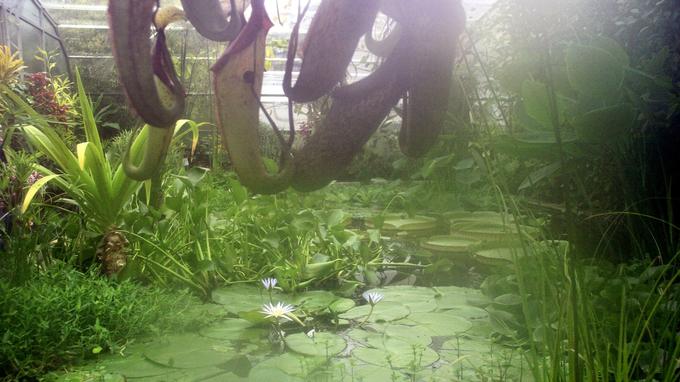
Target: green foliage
591, 120
576, 104
210, 231
620, 320
29, 240
10, 65
282, 236
62, 315
87, 177
174, 243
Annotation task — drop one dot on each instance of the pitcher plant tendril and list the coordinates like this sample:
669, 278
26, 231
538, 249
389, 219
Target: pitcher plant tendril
417, 66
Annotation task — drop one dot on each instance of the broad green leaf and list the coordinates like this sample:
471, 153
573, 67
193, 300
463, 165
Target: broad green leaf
341, 305
287, 367
612, 47
33, 190
229, 329
135, 367
335, 217
239, 192
514, 73
539, 175
93, 162
193, 128
465, 164
605, 125
147, 190
594, 72
544, 138
36, 118
80, 153
446, 323
50, 144
399, 354
536, 102
90, 126
195, 175
382, 312
508, 299
320, 344
187, 351
417, 223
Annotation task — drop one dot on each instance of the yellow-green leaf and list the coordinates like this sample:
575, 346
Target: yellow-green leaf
33, 190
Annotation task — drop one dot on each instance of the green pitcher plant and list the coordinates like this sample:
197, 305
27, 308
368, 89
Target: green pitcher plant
417, 60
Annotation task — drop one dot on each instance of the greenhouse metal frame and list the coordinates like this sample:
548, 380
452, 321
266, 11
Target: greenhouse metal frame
26, 27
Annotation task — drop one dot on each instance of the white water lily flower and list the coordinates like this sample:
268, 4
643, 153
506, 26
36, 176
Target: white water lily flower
269, 283
280, 310
372, 297
311, 333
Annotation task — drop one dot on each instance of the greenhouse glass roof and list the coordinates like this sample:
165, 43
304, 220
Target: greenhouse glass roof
26, 27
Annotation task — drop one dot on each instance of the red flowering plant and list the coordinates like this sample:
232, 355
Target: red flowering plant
45, 102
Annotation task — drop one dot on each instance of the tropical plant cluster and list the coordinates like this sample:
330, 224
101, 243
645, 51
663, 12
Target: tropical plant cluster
64, 315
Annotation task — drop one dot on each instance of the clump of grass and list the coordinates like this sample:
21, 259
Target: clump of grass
600, 323
62, 316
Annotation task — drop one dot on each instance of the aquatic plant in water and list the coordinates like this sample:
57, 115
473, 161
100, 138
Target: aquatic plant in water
372, 298
278, 311
417, 67
277, 314
269, 284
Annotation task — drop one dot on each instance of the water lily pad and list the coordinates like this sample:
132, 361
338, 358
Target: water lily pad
382, 334
341, 305
401, 293
467, 345
452, 296
285, 367
233, 329
508, 299
449, 244
497, 256
350, 369
239, 298
399, 355
135, 367
383, 311
186, 351
487, 233
417, 299
467, 355
447, 290
480, 329
322, 344
439, 324
491, 217
313, 302
422, 306
467, 311
417, 223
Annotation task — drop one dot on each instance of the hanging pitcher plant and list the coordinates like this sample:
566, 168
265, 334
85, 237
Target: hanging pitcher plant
417, 65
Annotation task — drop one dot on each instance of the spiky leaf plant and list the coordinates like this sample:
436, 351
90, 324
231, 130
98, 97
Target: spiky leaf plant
10, 65
87, 177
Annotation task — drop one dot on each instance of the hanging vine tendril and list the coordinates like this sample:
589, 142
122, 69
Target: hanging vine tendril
418, 62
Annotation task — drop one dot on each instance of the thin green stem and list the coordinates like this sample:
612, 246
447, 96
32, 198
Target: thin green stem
367, 316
